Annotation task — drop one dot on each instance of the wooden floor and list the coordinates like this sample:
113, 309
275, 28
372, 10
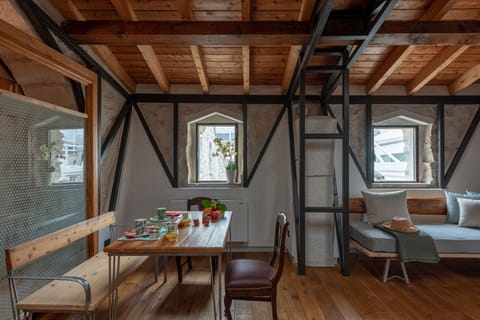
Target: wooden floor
448, 290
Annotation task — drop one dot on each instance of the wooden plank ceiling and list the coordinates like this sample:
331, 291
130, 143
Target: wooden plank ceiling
421, 42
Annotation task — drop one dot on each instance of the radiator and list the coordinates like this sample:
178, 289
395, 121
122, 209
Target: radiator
239, 208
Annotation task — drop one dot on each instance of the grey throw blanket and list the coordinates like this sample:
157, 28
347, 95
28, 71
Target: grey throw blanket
418, 246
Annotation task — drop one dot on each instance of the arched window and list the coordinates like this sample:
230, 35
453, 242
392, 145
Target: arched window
203, 166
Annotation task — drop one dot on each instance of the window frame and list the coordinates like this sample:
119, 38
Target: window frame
416, 156
206, 124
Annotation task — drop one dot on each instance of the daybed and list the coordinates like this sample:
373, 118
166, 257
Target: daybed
451, 240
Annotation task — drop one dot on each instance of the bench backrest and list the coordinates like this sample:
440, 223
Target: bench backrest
428, 206
39, 247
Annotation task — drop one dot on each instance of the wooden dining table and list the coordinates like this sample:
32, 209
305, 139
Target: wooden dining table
192, 240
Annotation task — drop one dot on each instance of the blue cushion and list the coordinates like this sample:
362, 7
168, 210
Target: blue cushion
453, 209
473, 193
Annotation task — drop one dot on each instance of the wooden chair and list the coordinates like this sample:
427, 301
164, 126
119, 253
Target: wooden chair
250, 279
190, 203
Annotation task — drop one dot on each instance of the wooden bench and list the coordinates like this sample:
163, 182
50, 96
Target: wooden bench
82, 289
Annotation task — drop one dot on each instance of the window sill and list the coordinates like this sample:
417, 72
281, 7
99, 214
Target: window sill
407, 185
207, 185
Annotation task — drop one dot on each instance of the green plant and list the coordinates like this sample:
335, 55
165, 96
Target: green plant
51, 152
214, 204
227, 151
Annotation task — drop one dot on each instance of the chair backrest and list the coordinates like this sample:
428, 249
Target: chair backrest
196, 202
281, 229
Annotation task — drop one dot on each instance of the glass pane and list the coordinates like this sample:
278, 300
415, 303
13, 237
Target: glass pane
394, 154
212, 168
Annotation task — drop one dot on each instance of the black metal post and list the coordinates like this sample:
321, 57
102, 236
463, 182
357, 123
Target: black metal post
301, 219
245, 181
369, 151
121, 158
441, 145
345, 267
175, 144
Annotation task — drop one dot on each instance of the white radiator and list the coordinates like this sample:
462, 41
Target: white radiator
239, 210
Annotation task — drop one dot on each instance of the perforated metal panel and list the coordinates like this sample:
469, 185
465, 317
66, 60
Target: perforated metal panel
30, 204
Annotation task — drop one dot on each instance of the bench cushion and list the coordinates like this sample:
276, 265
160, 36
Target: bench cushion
59, 296
449, 238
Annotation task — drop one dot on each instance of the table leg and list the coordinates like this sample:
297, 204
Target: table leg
113, 272
219, 272
212, 280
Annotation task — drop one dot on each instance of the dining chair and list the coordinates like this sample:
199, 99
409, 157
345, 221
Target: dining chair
190, 204
252, 279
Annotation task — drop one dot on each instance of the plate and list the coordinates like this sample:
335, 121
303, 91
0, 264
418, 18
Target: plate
134, 234
155, 219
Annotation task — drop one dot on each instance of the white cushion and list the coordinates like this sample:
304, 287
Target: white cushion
469, 212
383, 206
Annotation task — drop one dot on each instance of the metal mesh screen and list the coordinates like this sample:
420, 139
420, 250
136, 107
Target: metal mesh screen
41, 187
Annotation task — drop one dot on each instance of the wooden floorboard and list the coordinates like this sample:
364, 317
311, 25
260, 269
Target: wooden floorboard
448, 290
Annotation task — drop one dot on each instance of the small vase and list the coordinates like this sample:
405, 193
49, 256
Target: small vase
230, 175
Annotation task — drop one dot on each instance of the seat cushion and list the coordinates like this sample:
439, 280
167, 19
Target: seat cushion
248, 273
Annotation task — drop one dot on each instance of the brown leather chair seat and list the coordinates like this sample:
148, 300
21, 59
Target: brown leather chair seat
245, 273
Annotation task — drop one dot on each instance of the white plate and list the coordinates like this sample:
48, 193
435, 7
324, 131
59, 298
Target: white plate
155, 219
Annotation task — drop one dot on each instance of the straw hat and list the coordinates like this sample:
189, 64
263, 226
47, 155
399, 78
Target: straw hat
400, 224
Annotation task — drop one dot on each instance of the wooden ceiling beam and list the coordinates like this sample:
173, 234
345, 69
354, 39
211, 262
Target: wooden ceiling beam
127, 13
428, 33
185, 8
436, 12
70, 11
246, 10
200, 66
440, 62
125, 10
464, 80
246, 16
396, 58
246, 69
27, 46
294, 52
152, 61
189, 32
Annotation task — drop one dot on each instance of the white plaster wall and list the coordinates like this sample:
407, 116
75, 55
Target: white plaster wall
144, 185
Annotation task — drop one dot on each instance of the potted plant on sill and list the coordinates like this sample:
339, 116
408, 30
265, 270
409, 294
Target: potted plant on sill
49, 154
227, 151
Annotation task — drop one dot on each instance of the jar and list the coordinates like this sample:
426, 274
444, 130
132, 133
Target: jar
140, 225
172, 231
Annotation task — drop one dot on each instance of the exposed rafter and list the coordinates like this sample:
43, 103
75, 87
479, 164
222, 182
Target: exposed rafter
440, 62
200, 66
398, 55
185, 8
127, 13
152, 61
246, 69
189, 32
246, 16
436, 12
246, 10
464, 80
70, 11
294, 53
